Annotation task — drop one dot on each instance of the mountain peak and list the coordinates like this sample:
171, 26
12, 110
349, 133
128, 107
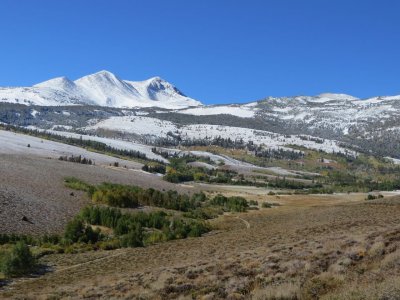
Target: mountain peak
105, 89
100, 76
155, 78
104, 73
157, 84
57, 83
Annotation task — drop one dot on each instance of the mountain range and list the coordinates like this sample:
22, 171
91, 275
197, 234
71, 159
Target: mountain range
103, 89
154, 110
106, 89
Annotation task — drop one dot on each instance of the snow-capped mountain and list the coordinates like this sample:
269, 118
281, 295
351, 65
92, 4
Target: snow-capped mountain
334, 113
337, 113
102, 88
372, 123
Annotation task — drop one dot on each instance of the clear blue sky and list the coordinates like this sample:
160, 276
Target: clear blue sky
216, 51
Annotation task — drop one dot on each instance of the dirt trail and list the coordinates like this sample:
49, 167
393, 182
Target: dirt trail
245, 222
119, 253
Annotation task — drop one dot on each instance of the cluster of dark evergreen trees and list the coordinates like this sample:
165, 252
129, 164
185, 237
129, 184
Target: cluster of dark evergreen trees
154, 168
174, 139
313, 139
279, 154
77, 159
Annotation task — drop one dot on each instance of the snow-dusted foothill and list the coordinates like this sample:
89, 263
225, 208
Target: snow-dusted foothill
21, 144
147, 126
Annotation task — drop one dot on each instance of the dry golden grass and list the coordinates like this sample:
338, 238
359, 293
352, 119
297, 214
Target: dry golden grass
332, 247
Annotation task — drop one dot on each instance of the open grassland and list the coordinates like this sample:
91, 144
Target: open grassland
342, 247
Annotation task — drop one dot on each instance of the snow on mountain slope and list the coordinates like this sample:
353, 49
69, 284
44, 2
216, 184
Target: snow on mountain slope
163, 93
102, 88
115, 143
58, 83
331, 96
334, 113
15, 143
147, 126
337, 113
108, 90
42, 96
242, 111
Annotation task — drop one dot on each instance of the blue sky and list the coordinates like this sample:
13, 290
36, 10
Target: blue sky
216, 51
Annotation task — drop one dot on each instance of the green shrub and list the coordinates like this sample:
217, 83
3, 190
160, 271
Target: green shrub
200, 197
134, 238
253, 202
116, 195
177, 177
154, 168
373, 197
235, 204
19, 261
200, 176
197, 229
76, 231
109, 245
77, 184
155, 237
204, 213
266, 205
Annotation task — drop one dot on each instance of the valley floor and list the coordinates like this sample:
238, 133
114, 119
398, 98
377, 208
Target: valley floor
332, 250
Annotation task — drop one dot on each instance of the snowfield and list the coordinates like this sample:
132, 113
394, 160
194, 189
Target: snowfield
115, 143
336, 112
147, 126
396, 161
15, 143
242, 111
145, 149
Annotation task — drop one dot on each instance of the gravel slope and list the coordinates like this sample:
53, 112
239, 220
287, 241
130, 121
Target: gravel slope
31, 182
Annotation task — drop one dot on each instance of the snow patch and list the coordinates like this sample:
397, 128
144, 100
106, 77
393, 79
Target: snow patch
244, 111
